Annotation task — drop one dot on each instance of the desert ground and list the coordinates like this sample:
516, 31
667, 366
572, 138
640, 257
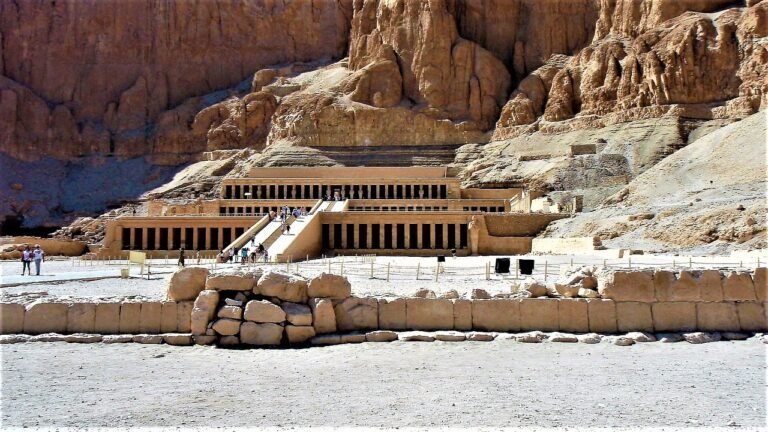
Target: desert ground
395, 385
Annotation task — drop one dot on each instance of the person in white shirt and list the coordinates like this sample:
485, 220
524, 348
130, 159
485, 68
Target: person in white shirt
39, 256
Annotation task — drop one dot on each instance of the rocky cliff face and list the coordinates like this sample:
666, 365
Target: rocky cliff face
84, 77
515, 81
701, 65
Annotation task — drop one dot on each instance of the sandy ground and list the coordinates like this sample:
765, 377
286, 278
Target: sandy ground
96, 280
400, 384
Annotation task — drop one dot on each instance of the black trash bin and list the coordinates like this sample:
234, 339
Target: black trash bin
441, 258
525, 266
502, 265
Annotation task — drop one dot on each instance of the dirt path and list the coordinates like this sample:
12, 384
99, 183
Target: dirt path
400, 384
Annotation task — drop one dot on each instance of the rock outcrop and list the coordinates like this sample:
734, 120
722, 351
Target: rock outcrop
85, 77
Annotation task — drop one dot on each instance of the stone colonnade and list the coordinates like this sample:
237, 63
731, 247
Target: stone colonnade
376, 236
321, 190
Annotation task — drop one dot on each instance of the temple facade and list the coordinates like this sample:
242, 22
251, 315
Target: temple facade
417, 211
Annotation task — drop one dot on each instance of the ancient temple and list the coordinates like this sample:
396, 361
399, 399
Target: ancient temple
419, 211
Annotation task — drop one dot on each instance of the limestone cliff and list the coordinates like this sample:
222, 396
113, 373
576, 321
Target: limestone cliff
505, 88
84, 77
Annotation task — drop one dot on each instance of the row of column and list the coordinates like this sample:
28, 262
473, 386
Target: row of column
250, 211
318, 191
192, 238
394, 236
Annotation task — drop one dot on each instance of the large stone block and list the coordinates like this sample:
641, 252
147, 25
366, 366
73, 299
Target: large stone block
671, 287
496, 315
323, 316
231, 312
226, 326
187, 283
107, 319
151, 316
738, 286
392, 314
299, 334
752, 316
184, 316
717, 317
710, 285
602, 315
168, 312
428, 314
539, 314
354, 313
297, 314
203, 311
42, 317
263, 311
462, 314
11, 318
229, 280
760, 280
634, 317
329, 286
81, 318
130, 318
627, 286
283, 286
573, 315
674, 316
252, 333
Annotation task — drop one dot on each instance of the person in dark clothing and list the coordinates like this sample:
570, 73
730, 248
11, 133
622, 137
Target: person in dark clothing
181, 257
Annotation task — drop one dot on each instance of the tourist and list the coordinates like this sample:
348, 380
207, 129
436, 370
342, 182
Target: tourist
230, 254
244, 255
181, 257
39, 257
220, 256
197, 255
26, 261
287, 229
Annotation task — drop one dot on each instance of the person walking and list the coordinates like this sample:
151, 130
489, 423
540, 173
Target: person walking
181, 257
244, 255
287, 229
197, 255
39, 256
26, 261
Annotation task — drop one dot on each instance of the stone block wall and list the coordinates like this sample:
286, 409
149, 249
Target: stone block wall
273, 308
128, 317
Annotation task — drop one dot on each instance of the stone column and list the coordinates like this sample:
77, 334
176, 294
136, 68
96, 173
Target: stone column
343, 236
132, 237
208, 238
394, 236
382, 229
356, 235
457, 236
221, 244
445, 237
432, 236
407, 234
369, 236
419, 236
195, 239
183, 241
170, 238
157, 238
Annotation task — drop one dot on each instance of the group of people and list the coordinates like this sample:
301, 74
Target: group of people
27, 256
248, 253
